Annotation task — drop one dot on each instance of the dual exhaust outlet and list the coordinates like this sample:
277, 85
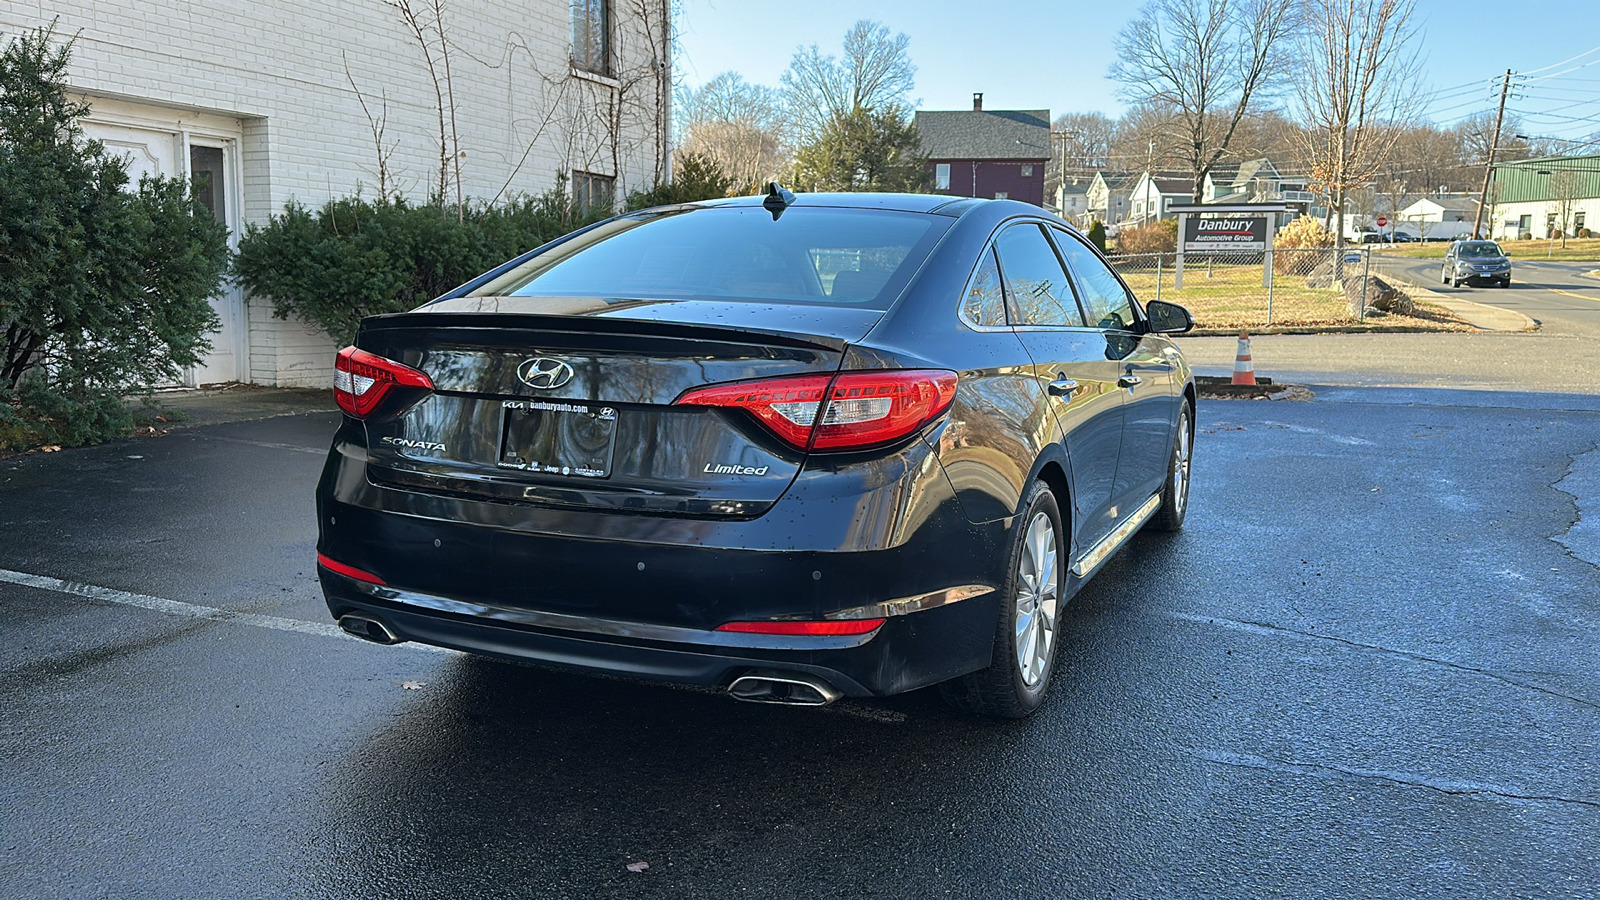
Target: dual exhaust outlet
783, 688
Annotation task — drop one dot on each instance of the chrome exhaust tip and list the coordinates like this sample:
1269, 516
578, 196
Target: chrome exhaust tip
368, 629
783, 689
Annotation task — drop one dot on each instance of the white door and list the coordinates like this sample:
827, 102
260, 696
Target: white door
171, 154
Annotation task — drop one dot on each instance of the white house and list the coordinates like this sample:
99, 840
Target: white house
1072, 200
263, 103
1107, 196
1438, 218
1151, 195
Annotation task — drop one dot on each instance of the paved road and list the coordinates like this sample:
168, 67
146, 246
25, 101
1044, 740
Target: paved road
1366, 669
1561, 358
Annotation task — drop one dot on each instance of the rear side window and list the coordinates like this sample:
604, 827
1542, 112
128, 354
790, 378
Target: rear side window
1040, 292
1105, 299
985, 303
822, 255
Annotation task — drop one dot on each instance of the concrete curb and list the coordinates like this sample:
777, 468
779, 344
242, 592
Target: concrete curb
1478, 315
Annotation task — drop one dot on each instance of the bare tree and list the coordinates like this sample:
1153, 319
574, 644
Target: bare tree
741, 127
426, 24
379, 124
1564, 194
1354, 83
874, 73
1207, 60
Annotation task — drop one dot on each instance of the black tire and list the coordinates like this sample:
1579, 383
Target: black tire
1002, 689
1175, 490
1506, 283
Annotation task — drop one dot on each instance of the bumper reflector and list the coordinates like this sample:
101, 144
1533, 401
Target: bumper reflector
348, 571
829, 627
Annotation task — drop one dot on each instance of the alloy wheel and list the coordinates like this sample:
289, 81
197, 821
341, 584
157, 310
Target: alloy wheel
1037, 600
1180, 465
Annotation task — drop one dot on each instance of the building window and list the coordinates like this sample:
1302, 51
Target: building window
591, 192
1577, 220
1027, 171
1002, 195
591, 43
941, 176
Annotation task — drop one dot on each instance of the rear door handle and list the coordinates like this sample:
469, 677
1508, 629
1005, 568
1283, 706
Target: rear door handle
1062, 387
1129, 380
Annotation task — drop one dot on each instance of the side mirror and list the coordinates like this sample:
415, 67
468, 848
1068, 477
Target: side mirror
1167, 318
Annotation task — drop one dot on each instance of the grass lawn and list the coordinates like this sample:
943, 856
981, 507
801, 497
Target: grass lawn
1577, 248
1233, 297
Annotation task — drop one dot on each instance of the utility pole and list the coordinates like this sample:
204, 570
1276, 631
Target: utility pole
1494, 146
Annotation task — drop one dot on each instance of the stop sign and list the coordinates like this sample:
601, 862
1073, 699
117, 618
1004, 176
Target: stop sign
1382, 221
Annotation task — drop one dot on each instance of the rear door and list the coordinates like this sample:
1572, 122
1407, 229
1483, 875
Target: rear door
1072, 367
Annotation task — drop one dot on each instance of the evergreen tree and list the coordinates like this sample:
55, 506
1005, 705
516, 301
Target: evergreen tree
103, 290
864, 150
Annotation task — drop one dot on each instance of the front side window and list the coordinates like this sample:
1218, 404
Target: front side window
1040, 292
1104, 298
941, 176
591, 35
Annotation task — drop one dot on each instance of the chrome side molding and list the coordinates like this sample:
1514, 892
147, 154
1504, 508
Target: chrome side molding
1109, 544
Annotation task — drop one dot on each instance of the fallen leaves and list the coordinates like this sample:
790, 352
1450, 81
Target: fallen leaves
637, 866
413, 685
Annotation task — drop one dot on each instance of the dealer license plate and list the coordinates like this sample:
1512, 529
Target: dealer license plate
557, 438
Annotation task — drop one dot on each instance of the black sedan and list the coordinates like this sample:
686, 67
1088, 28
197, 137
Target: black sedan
792, 447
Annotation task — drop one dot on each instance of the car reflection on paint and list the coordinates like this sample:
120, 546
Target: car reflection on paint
796, 448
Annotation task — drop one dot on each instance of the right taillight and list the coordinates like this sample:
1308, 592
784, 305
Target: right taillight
851, 411
362, 381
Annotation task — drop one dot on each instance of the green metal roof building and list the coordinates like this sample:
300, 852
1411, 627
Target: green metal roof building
1537, 181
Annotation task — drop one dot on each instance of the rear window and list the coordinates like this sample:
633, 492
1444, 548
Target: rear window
823, 255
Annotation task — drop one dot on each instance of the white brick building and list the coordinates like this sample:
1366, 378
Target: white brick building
263, 96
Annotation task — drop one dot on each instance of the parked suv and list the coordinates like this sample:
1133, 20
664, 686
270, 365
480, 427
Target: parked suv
1475, 261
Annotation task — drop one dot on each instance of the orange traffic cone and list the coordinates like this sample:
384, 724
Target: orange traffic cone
1243, 371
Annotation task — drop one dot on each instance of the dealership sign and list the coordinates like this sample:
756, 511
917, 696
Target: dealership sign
1229, 233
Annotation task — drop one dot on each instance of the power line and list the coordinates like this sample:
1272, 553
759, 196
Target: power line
1563, 62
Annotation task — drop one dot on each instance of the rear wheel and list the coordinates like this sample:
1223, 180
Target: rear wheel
1024, 656
1175, 492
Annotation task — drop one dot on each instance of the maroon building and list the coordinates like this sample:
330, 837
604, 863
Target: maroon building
987, 153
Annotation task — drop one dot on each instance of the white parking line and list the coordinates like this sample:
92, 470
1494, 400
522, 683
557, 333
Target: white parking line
170, 607
277, 623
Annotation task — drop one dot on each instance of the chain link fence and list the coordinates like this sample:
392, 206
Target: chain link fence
1224, 291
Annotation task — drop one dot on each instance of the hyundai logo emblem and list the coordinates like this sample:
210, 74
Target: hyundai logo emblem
544, 374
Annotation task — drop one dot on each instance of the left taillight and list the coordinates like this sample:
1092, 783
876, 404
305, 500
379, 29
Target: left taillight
855, 410
362, 381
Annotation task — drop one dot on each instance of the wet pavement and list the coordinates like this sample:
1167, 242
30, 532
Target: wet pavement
1367, 668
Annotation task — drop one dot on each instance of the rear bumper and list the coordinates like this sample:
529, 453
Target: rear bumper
907, 652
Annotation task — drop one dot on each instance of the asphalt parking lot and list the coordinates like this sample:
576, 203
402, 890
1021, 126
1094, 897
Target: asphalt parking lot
1367, 668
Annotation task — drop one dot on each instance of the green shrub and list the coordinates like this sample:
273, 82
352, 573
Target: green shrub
355, 257
103, 291
1160, 236
695, 177
1097, 235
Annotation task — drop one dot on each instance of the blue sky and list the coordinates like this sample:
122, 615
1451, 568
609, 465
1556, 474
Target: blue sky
1036, 54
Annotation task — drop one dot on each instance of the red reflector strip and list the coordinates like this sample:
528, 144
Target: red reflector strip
348, 571
836, 626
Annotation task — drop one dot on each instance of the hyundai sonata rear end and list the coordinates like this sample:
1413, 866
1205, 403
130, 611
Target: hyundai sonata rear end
708, 444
